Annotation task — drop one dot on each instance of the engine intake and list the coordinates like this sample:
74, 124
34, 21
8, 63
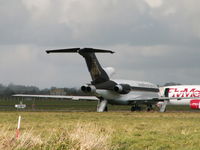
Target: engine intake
88, 88
122, 88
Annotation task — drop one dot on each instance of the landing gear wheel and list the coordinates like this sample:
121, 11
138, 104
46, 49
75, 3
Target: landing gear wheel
149, 107
135, 108
106, 109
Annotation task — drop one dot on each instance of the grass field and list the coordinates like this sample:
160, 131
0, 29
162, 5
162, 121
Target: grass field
101, 131
7, 104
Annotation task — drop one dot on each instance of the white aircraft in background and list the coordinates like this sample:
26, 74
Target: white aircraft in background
111, 91
188, 95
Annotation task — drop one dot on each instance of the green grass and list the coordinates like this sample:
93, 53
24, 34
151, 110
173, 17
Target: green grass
7, 104
110, 130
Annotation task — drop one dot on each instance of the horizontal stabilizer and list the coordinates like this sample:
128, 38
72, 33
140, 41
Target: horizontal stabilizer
69, 50
79, 50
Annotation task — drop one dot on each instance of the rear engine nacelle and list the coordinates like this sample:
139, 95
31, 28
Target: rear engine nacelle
122, 88
88, 88
195, 104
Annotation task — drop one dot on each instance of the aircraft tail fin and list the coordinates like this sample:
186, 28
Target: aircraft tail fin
97, 73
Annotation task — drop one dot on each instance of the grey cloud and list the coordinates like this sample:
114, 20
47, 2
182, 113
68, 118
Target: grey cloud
97, 23
157, 42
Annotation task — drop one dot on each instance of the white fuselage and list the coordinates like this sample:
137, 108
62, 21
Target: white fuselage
140, 91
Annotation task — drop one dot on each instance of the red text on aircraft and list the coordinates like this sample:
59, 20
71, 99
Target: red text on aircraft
175, 92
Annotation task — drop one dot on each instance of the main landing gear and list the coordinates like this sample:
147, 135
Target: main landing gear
149, 107
135, 107
102, 106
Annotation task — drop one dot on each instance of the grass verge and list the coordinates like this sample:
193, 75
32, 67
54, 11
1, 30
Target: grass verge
105, 131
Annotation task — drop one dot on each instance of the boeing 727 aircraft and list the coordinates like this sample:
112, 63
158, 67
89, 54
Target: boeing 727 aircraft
110, 91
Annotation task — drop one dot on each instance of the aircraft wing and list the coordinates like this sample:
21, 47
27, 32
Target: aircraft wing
89, 98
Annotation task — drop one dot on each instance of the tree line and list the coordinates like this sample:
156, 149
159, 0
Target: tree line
12, 89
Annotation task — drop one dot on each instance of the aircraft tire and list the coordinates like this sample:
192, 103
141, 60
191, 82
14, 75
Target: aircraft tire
106, 109
136, 108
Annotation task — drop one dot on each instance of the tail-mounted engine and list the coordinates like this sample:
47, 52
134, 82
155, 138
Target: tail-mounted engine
195, 104
88, 88
122, 88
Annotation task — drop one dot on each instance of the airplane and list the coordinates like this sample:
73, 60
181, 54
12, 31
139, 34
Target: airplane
106, 90
176, 94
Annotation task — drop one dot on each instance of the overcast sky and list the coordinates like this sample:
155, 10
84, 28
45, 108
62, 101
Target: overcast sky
154, 40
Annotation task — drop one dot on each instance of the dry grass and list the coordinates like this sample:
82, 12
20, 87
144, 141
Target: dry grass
86, 136
9, 141
101, 131
89, 136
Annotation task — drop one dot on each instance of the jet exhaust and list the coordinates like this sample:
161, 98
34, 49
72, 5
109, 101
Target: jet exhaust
88, 88
122, 88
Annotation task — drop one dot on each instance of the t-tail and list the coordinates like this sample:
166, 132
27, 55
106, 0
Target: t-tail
97, 73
